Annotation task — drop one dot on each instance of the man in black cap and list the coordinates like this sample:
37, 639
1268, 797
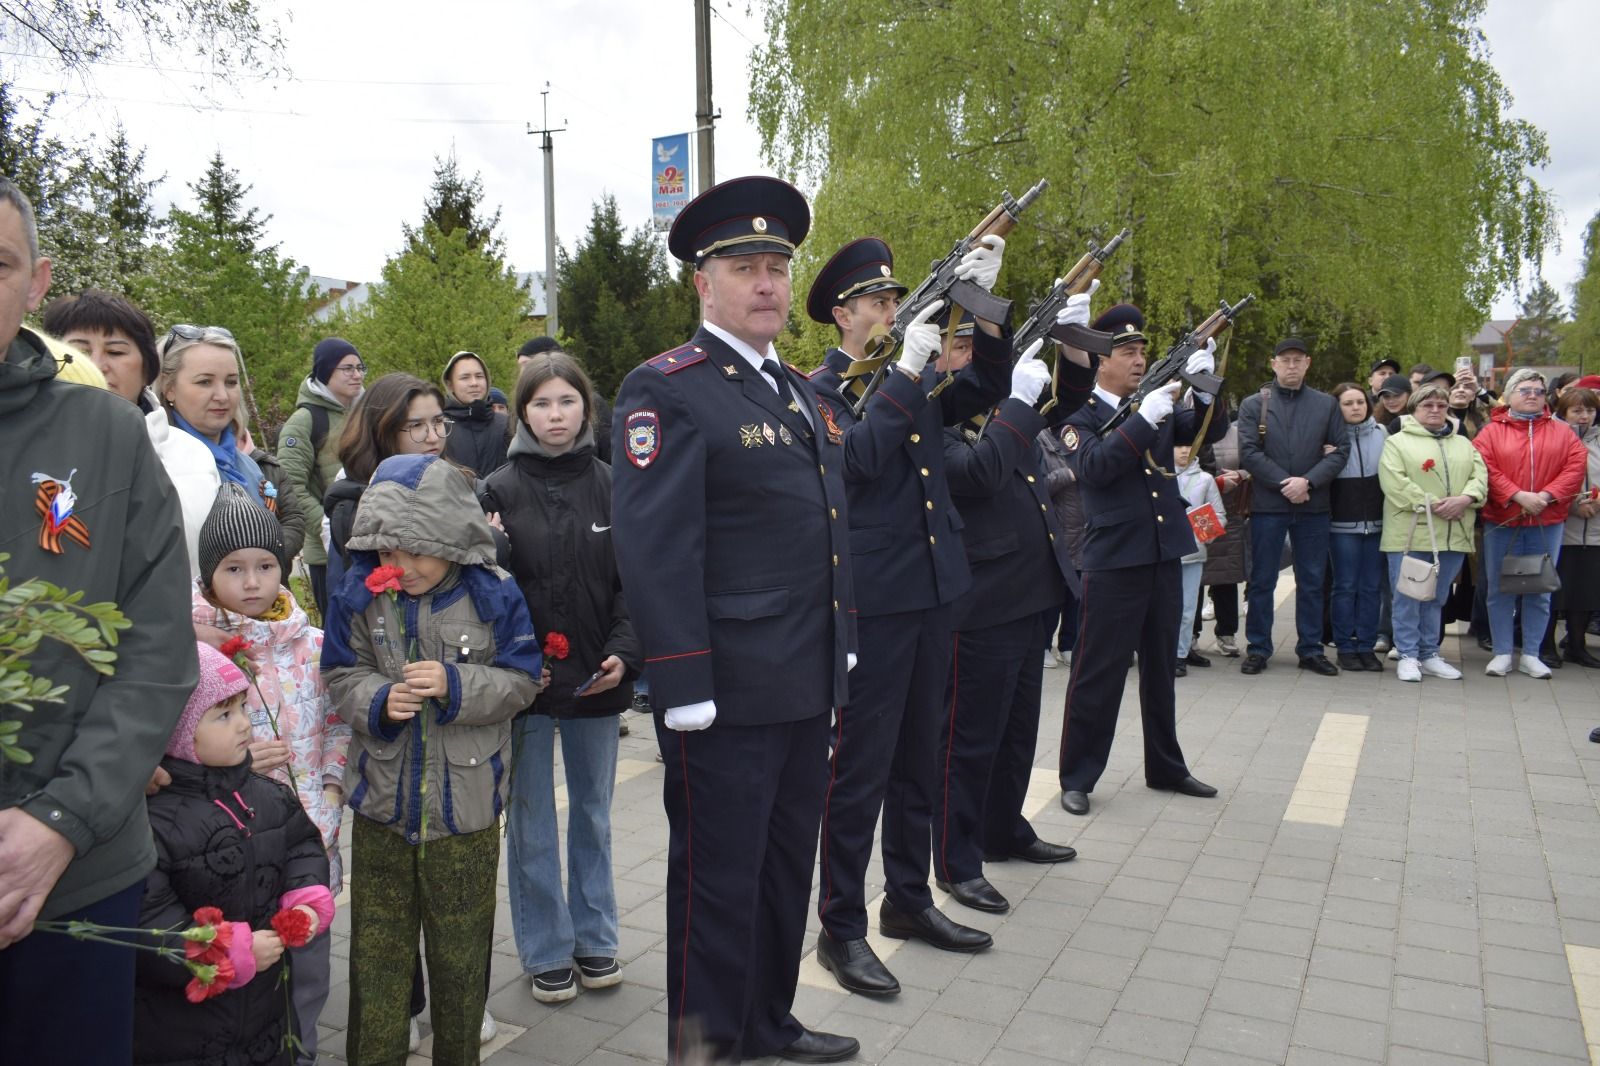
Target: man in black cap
1292, 439
728, 521
1137, 533
909, 567
1381, 370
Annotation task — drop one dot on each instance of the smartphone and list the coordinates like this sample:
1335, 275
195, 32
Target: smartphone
1463, 362
588, 683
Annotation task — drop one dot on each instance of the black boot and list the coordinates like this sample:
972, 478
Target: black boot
1577, 635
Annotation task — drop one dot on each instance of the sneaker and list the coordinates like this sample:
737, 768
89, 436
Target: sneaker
1052, 659
1499, 666
1209, 611
414, 1041
598, 971
1228, 646
1380, 645
1434, 666
553, 986
1408, 670
488, 1030
1530, 665
1394, 655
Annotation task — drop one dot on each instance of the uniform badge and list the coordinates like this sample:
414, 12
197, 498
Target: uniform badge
730, 370
1069, 438
784, 435
642, 431
55, 503
835, 434
766, 431
750, 435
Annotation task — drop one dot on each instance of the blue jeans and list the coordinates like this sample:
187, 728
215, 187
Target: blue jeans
1417, 623
1357, 580
552, 926
1191, 600
1499, 542
1308, 534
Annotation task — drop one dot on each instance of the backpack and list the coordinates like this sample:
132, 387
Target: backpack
319, 435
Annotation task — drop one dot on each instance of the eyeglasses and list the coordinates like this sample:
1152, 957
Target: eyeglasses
1530, 392
184, 331
418, 429
354, 368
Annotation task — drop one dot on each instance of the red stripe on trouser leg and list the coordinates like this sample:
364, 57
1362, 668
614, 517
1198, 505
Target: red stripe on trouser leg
949, 749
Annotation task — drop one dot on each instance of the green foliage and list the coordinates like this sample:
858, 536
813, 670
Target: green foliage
620, 301
1350, 163
453, 203
1583, 336
75, 33
33, 612
40, 164
1537, 337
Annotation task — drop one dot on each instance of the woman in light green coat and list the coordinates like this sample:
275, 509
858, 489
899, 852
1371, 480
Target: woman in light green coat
1430, 475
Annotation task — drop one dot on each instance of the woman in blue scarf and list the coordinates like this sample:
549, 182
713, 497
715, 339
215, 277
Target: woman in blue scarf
199, 385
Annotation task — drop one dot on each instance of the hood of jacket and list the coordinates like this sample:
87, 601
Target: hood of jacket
1409, 425
256, 630
193, 779
315, 394
1503, 414
28, 362
423, 505
476, 411
525, 443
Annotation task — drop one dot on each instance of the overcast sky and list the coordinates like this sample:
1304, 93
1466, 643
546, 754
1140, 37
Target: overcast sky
341, 151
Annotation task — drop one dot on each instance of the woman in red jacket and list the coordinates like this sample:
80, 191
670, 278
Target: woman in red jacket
1535, 464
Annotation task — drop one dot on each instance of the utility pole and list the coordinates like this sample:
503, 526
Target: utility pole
705, 147
548, 146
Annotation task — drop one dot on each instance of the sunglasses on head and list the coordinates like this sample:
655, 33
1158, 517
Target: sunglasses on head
184, 331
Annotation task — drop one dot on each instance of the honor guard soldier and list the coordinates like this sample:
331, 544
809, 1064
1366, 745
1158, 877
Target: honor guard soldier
1132, 588
731, 539
1020, 570
909, 568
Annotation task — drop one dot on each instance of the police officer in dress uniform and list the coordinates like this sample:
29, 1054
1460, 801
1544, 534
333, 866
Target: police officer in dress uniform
728, 519
909, 568
1020, 570
1132, 591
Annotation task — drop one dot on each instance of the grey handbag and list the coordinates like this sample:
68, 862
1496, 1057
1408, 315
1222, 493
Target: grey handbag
1418, 578
1528, 575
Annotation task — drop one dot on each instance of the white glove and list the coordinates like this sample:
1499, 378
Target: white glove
1076, 312
692, 716
921, 341
1029, 376
981, 266
1158, 404
1204, 361
849, 661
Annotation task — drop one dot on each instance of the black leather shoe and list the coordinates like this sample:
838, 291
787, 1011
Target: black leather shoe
977, 893
1194, 658
1349, 660
812, 1046
1253, 664
1041, 852
1188, 787
1583, 657
855, 966
1486, 643
1370, 663
1075, 802
1551, 659
1594, 735
1318, 664
1180, 669
932, 928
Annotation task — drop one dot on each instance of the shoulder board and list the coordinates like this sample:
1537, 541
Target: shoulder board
818, 372
675, 360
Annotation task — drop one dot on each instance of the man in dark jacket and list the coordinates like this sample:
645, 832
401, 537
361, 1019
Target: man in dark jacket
1293, 442
479, 438
86, 505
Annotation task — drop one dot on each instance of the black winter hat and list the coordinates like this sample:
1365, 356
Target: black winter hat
537, 345
236, 521
328, 354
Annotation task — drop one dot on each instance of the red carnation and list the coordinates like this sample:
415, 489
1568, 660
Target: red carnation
234, 647
385, 579
556, 645
293, 927
1427, 465
210, 979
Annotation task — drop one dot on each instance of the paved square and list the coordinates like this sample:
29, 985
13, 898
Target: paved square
1393, 873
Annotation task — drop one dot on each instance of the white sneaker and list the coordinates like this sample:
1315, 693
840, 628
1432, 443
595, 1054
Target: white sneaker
1499, 666
1052, 659
488, 1030
1227, 646
415, 1040
1531, 666
1434, 666
1394, 655
1380, 645
1408, 670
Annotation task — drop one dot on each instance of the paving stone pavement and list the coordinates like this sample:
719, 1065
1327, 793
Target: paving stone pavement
1451, 915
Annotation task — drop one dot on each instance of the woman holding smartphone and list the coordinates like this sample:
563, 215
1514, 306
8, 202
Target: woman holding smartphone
554, 499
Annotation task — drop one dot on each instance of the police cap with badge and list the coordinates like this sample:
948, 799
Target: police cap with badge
860, 268
741, 216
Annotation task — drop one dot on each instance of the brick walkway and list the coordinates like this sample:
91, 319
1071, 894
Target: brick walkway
1394, 873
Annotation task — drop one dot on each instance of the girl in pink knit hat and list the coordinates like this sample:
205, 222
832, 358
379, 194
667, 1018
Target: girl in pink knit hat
240, 842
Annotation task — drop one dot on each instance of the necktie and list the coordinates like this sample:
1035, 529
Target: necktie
771, 368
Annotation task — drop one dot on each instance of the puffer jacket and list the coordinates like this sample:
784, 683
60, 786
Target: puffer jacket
191, 468
557, 514
1199, 488
475, 622
1356, 498
311, 469
1299, 422
1585, 531
479, 438
1417, 467
289, 678
1537, 455
237, 841
291, 516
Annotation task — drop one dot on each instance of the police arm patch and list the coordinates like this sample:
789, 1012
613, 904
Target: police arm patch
1069, 437
642, 431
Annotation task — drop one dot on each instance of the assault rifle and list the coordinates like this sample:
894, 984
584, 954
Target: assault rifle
1042, 322
865, 375
1171, 367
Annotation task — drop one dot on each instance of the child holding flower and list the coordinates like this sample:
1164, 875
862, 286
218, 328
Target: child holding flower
429, 654
235, 849
298, 737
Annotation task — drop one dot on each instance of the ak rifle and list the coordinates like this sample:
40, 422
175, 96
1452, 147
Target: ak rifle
1041, 323
865, 375
1170, 368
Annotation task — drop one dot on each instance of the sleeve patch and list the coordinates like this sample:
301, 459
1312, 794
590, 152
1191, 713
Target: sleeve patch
1069, 438
290, 442
643, 435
